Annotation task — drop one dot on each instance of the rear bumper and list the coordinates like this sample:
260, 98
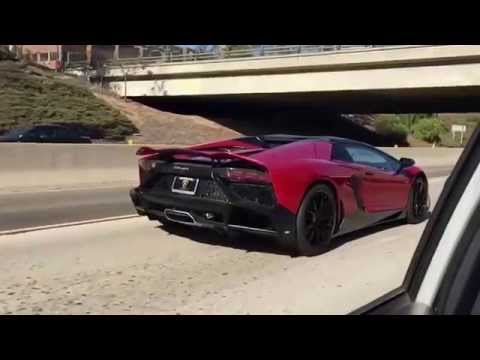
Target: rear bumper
198, 213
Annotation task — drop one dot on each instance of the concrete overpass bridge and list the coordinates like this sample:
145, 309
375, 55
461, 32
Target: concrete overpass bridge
391, 79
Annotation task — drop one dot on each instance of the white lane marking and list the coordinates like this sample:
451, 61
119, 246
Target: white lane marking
55, 226
93, 221
60, 189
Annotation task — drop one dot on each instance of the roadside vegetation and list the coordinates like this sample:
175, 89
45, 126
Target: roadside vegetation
31, 96
427, 128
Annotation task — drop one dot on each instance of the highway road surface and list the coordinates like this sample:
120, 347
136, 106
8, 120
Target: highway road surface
133, 266
33, 209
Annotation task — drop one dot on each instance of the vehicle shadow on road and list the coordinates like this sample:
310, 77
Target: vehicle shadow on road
356, 235
245, 242
261, 244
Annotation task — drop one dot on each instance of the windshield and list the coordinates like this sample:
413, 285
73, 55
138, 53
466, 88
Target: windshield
14, 134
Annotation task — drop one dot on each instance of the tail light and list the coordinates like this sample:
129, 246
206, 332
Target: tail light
146, 165
246, 175
146, 151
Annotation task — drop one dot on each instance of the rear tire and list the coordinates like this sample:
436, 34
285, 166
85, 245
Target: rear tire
418, 202
315, 224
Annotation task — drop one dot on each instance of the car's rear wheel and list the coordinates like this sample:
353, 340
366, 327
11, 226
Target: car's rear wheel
418, 202
316, 221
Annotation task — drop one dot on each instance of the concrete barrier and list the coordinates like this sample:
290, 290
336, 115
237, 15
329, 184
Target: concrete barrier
45, 166
427, 157
24, 166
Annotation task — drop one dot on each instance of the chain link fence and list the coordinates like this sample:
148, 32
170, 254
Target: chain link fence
73, 60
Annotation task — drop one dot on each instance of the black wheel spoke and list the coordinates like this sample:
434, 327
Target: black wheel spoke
420, 198
323, 218
311, 236
321, 203
311, 216
319, 219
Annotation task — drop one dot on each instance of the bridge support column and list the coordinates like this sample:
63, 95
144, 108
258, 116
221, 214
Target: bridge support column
116, 52
88, 54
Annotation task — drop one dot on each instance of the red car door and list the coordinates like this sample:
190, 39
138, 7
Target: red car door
384, 190
379, 186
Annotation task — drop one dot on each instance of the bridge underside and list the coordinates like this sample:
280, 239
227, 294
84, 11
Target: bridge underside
426, 100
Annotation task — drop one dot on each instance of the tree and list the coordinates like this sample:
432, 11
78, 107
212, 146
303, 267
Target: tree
429, 129
411, 119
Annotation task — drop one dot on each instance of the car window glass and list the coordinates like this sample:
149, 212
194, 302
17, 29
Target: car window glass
63, 133
14, 134
44, 131
365, 156
340, 154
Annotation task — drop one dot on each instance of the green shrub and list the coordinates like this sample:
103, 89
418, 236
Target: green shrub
429, 130
392, 128
391, 125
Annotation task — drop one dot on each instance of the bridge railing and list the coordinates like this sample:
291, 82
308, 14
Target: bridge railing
260, 51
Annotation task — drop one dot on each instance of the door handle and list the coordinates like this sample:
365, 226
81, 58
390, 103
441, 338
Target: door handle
368, 173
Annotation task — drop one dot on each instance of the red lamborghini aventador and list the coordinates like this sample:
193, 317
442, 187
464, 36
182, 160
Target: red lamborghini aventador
304, 191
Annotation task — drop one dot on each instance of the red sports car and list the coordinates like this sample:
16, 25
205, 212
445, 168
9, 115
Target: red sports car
305, 191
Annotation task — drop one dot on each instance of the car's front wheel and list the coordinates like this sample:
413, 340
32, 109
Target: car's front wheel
316, 221
419, 201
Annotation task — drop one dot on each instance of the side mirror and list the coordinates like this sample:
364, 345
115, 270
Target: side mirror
406, 163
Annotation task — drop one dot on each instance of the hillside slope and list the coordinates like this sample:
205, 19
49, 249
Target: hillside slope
161, 127
164, 127
30, 95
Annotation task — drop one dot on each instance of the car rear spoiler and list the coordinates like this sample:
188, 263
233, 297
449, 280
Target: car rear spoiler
169, 154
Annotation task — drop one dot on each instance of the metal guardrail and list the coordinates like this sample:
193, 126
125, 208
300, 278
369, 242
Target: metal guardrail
261, 51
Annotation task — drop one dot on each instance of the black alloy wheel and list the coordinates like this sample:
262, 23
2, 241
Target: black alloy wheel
419, 202
316, 221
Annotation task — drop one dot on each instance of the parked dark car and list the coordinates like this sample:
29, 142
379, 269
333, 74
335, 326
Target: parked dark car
45, 134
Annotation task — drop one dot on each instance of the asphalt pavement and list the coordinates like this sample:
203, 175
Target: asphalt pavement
35, 209
134, 266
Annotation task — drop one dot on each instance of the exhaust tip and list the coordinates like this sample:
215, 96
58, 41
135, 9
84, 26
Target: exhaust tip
182, 217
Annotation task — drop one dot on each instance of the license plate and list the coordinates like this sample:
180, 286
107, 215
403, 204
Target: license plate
184, 185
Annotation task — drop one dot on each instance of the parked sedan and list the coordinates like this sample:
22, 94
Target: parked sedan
44, 134
303, 191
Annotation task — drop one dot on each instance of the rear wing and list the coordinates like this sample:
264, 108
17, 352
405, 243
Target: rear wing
190, 154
